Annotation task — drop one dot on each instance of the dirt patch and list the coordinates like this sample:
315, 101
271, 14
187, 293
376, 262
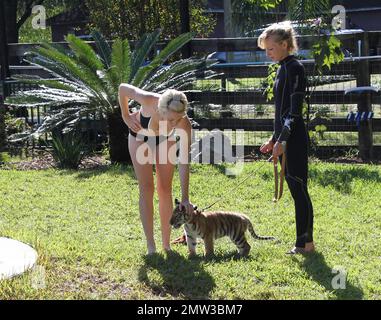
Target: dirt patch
46, 161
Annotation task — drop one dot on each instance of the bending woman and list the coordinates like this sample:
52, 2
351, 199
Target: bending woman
152, 141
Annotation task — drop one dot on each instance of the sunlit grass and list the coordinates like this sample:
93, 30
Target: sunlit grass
85, 226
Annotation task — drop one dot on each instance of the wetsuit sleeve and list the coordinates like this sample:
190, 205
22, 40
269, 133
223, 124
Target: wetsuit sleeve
297, 88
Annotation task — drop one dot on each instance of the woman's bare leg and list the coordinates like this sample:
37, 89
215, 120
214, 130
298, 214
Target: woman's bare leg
144, 174
164, 174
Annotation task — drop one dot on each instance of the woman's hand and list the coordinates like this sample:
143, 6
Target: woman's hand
267, 146
187, 205
132, 122
277, 151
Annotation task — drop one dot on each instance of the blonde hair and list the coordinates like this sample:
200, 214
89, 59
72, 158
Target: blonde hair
173, 100
280, 32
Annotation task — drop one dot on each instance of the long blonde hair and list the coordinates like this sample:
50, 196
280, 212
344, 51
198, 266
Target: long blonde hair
280, 32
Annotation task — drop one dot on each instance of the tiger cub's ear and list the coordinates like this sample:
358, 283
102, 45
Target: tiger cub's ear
177, 202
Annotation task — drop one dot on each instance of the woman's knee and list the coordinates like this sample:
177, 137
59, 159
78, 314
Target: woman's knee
146, 189
164, 189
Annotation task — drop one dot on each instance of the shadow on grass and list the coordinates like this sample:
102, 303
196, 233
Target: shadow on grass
316, 266
342, 178
258, 170
222, 168
115, 170
180, 275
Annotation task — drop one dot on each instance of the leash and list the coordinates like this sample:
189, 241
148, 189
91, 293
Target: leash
278, 185
228, 189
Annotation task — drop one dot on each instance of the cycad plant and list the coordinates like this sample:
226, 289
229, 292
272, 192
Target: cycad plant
87, 80
68, 150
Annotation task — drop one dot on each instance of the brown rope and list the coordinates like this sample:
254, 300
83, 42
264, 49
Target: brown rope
279, 181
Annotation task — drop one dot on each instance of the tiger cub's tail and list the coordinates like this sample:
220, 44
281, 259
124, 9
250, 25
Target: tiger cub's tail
255, 236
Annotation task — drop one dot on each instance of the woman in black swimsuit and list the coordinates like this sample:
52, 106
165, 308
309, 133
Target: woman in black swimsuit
290, 134
151, 141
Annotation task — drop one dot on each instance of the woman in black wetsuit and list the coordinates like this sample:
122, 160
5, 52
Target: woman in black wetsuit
151, 141
290, 135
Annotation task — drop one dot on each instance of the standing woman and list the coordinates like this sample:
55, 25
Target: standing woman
290, 134
151, 141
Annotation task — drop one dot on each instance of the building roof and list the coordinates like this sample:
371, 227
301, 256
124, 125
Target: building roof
74, 16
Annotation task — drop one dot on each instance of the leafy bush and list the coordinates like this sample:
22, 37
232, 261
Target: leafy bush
4, 157
68, 150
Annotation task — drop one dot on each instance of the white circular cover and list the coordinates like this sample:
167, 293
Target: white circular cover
15, 257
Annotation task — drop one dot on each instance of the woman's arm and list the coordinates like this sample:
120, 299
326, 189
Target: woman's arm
145, 98
184, 130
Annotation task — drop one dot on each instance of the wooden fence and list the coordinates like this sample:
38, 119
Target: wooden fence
359, 68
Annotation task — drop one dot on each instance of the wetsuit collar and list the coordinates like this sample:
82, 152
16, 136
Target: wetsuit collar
287, 59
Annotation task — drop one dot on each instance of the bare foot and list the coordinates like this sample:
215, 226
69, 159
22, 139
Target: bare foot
309, 247
296, 250
151, 249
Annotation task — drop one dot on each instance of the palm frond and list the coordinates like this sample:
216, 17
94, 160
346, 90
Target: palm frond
49, 83
75, 70
47, 96
103, 47
67, 66
84, 53
142, 50
55, 69
60, 72
179, 67
120, 61
59, 118
172, 47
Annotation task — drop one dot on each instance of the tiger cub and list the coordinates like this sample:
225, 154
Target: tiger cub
214, 225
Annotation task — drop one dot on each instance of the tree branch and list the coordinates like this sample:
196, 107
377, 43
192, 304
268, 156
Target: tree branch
28, 12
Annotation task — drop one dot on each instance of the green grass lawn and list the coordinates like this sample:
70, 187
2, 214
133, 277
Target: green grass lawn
85, 226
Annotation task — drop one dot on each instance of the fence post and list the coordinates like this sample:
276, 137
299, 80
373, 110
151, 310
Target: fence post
3, 138
185, 26
365, 132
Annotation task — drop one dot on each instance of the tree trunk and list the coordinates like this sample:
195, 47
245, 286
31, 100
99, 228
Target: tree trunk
228, 25
118, 139
3, 137
11, 21
4, 59
185, 26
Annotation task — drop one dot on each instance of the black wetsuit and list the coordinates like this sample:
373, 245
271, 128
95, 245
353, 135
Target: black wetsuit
289, 91
154, 140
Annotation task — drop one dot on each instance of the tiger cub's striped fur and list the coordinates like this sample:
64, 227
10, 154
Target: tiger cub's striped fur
213, 225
